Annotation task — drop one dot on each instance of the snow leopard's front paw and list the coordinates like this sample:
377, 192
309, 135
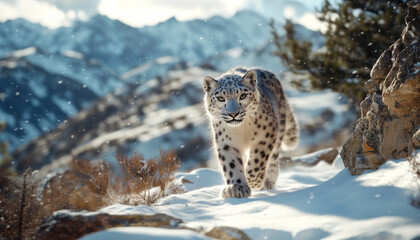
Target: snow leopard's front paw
236, 191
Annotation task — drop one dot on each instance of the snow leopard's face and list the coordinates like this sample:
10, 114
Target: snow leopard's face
231, 98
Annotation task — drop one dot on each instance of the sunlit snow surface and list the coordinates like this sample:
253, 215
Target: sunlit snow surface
136, 233
321, 202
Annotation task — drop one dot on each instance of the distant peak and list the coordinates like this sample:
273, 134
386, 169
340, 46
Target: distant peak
103, 20
246, 12
172, 19
99, 17
169, 21
19, 20
23, 22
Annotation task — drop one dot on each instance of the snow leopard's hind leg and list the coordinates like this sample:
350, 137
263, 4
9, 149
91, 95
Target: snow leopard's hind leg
273, 165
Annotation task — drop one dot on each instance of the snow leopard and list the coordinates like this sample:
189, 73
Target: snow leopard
251, 121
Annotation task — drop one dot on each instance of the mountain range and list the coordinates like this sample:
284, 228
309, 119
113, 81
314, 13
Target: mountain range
100, 87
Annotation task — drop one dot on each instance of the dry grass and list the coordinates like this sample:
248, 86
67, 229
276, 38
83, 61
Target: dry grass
144, 182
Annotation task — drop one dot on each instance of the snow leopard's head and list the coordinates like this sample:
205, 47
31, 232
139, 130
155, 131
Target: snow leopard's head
231, 97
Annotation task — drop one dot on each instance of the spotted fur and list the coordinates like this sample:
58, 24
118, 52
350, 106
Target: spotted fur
252, 122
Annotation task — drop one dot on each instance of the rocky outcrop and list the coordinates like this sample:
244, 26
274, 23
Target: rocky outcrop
390, 114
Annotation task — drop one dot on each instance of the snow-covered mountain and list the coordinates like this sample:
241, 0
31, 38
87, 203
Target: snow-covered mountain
113, 43
40, 90
100, 87
19, 34
122, 47
101, 52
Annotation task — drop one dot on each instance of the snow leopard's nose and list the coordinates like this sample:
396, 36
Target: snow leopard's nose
234, 114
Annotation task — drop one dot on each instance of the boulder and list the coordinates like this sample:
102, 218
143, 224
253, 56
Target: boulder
390, 114
227, 233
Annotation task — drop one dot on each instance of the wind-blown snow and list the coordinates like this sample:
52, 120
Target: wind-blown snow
324, 201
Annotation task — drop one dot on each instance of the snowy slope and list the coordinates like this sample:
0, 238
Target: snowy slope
136, 233
321, 202
41, 90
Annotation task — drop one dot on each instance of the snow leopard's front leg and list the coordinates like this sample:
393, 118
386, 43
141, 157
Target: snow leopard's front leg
231, 161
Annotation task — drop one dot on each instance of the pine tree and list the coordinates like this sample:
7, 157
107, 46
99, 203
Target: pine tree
357, 33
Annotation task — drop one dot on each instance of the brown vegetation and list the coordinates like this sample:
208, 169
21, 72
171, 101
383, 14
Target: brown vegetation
142, 182
26, 200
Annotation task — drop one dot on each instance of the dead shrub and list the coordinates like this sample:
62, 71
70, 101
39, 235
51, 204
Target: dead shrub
69, 190
141, 183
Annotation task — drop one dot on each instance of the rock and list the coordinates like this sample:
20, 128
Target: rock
72, 225
227, 233
382, 67
390, 114
67, 224
328, 155
372, 86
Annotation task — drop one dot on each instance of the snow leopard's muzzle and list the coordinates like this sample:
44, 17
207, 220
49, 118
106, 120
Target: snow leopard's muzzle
233, 113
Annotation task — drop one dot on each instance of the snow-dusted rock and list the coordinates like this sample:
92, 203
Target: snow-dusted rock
328, 155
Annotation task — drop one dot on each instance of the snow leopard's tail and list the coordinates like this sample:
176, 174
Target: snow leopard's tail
291, 135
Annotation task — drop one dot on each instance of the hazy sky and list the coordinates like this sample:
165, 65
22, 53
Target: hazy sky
56, 13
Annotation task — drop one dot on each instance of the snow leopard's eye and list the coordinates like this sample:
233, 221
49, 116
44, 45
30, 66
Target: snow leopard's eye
243, 96
221, 99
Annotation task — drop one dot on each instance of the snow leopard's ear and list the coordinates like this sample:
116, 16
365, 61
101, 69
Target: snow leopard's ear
250, 78
209, 83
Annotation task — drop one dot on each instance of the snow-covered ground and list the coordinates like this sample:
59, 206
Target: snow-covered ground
320, 202
145, 233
